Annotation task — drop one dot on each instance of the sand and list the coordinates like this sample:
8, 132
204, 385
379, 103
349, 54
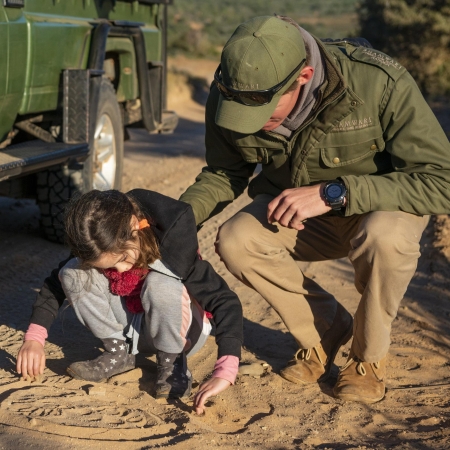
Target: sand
262, 411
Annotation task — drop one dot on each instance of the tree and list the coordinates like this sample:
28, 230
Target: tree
416, 32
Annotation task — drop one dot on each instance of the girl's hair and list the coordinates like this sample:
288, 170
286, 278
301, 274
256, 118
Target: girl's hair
100, 222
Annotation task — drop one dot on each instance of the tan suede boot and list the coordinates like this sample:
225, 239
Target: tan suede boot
314, 364
360, 381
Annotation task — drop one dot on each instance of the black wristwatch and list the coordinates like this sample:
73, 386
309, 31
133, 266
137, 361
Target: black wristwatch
334, 193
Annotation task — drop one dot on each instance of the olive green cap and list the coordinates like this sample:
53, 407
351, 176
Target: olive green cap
260, 54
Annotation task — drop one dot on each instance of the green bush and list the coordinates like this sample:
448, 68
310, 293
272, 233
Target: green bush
201, 27
417, 33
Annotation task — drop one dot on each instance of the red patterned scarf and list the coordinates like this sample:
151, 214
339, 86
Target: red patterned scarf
128, 285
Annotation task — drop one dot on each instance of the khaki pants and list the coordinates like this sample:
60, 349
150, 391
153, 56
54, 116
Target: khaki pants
383, 247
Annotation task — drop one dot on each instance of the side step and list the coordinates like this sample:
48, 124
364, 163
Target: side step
32, 156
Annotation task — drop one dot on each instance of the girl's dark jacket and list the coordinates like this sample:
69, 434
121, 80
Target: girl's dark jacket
174, 225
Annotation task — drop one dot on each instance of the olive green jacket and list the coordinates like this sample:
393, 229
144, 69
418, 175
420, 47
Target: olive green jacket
372, 128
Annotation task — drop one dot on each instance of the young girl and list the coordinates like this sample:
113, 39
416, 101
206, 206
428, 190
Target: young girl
136, 281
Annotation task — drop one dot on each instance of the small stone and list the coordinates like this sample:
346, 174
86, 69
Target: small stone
97, 390
254, 369
33, 422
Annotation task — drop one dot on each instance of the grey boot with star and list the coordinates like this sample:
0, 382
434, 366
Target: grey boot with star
114, 360
174, 379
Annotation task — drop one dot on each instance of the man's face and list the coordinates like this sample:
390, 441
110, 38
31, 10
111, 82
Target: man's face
285, 106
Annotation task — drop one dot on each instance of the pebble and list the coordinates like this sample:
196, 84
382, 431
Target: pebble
254, 369
96, 390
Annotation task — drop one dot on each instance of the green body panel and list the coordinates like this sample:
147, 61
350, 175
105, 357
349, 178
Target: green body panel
47, 36
3, 57
13, 63
124, 49
65, 41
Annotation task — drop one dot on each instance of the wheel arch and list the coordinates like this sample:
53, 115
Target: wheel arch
105, 31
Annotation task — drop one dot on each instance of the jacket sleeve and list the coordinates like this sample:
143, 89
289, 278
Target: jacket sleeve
420, 156
213, 294
49, 299
226, 175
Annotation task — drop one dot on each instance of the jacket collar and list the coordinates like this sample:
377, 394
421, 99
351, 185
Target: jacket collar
174, 225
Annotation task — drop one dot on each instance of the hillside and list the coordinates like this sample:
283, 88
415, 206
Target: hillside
201, 27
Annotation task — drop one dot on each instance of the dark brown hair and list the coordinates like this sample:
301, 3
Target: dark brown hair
100, 222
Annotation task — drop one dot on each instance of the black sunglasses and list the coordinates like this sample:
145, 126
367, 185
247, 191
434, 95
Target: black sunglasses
252, 98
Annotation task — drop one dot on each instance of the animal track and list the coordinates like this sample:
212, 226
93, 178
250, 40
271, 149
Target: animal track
100, 414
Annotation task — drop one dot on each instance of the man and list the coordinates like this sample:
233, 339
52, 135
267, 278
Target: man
353, 162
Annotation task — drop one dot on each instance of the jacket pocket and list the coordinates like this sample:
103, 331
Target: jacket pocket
352, 153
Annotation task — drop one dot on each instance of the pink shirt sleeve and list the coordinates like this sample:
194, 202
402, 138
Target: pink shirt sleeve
37, 333
226, 367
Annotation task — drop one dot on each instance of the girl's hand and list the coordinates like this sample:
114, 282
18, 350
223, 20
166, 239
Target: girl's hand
211, 387
31, 359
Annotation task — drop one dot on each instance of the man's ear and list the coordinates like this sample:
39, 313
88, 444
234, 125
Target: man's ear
305, 75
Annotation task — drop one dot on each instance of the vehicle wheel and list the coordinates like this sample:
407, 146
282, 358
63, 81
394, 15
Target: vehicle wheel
102, 170
106, 161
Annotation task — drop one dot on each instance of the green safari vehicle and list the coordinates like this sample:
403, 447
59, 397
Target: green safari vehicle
74, 74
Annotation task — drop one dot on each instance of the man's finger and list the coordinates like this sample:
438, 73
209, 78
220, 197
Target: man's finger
271, 208
297, 224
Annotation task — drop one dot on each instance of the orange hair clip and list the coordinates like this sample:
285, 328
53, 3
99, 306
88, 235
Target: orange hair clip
143, 224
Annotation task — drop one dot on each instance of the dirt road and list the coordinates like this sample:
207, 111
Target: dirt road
262, 411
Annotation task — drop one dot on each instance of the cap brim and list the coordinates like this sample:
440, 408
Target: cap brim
243, 119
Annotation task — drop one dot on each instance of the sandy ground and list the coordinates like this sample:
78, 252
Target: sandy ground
262, 411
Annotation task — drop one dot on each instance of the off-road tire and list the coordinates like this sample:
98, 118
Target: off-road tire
56, 186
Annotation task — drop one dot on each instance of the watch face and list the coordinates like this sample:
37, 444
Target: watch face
334, 191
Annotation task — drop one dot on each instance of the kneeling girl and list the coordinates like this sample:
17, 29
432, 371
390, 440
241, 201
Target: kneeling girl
136, 281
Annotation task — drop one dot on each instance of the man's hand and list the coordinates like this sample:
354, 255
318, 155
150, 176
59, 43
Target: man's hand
211, 387
31, 359
293, 206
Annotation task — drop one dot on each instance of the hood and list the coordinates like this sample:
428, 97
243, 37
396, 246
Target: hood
174, 225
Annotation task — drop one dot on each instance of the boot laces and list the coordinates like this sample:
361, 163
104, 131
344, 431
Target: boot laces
303, 354
360, 369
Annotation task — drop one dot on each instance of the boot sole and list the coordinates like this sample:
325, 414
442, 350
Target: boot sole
344, 339
295, 380
358, 398
172, 396
186, 394
102, 380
